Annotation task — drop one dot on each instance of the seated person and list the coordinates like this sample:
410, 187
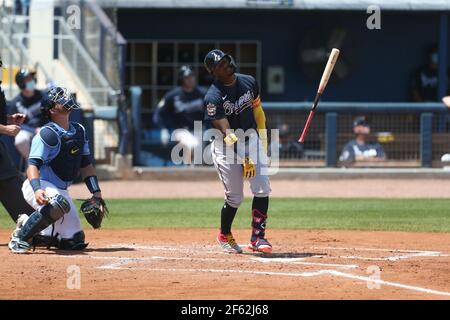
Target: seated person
359, 149
179, 108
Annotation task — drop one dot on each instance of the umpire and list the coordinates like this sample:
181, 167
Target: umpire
11, 179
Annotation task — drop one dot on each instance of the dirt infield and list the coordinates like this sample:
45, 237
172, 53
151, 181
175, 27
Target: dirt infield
345, 188
187, 264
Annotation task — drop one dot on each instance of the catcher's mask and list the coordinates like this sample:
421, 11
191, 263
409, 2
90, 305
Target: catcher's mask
61, 96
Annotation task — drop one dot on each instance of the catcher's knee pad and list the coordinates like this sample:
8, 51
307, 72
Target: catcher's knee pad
75, 243
56, 208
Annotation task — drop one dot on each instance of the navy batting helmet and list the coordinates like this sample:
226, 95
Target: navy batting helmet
185, 71
213, 58
58, 95
21, 75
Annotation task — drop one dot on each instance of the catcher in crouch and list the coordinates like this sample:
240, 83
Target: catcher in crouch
59, 153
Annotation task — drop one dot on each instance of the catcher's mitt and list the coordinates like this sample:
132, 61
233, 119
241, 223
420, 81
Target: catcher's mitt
94, 209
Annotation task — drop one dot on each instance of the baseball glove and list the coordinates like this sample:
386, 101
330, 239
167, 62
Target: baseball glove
94, 209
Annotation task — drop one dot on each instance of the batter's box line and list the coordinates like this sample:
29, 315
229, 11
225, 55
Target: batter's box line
409, 253
307, 274
120, 262
195, 249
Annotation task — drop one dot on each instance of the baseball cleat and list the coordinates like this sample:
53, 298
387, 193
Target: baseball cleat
228, 243
18, 246
261, 245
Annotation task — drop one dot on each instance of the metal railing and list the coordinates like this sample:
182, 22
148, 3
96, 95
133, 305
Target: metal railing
102, 40
412, 134
69, 50
13, 51
74, 55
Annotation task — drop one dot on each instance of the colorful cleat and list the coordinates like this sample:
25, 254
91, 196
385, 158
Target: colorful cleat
261, 245
228, 243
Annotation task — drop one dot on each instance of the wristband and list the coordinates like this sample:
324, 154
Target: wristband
35, 184
92, 184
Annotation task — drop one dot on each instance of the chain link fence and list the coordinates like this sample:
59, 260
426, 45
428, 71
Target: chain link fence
399, 133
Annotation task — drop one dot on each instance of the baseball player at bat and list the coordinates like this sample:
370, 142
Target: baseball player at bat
59, 152
232, 102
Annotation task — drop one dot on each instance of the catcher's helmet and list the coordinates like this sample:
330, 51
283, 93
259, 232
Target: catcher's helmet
58, 95
21, 75
213, 58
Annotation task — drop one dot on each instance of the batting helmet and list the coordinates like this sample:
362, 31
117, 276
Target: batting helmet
185, 71
213, 58
58, 95
21, 75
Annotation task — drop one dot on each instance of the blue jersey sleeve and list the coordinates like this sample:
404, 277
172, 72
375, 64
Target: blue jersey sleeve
44, 146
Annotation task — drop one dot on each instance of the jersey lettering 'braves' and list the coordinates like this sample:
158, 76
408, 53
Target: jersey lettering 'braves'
233, 102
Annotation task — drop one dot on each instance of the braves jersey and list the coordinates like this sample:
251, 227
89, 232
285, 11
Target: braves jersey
179, 109
59, 153
235, 102
353, 149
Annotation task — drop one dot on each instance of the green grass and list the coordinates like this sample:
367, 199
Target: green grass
427, 215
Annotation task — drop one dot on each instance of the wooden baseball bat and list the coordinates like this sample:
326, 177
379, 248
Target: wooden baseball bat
323, 83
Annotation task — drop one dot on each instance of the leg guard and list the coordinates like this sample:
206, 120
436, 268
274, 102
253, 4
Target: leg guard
56, 208
76, 243
259, 215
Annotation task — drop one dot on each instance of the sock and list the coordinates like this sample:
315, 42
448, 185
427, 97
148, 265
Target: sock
226, 219
259, 217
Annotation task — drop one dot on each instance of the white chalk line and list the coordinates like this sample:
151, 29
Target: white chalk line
119, 265
304, 274
374, 249
409, 253
387, 283
203, 249
294, 261
124, 261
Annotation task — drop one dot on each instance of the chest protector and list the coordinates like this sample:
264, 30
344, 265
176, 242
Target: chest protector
66, 165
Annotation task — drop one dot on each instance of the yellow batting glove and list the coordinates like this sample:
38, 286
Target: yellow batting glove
230, 139
249, 168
